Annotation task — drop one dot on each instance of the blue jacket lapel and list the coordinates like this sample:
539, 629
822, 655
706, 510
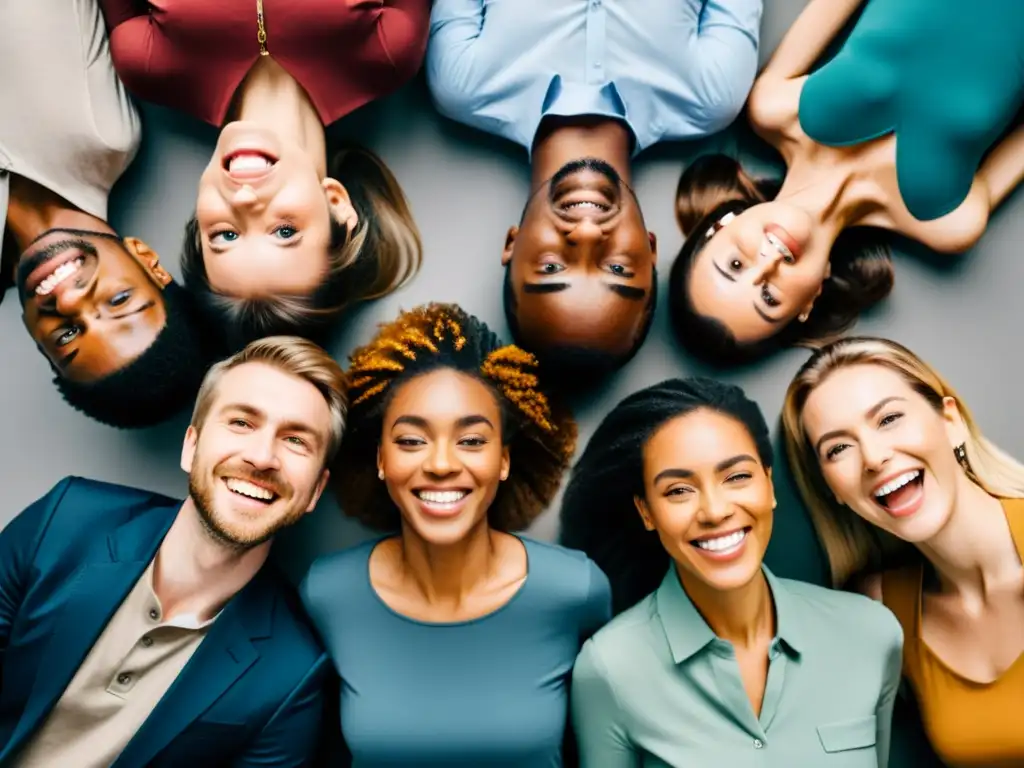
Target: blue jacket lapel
110, 571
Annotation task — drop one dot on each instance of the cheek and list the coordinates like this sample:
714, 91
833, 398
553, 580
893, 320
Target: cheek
671, 519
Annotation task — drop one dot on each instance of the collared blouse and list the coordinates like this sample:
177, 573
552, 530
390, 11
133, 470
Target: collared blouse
656, 687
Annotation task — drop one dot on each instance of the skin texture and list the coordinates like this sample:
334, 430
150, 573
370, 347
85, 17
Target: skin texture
442, 431
702, 478
266, 427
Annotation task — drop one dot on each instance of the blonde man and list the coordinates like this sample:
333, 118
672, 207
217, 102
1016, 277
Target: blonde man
138, 630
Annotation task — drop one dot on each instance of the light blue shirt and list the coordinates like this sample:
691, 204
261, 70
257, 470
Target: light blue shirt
670, 69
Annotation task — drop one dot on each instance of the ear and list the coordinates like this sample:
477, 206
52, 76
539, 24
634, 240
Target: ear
771, 487
506, 463
339, 203
645, 514
653, 240
188, 448
320, 485
380, 462
148, 260
806, 312
956, 427
510, 242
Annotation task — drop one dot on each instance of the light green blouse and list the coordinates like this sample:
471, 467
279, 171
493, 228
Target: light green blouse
656, 687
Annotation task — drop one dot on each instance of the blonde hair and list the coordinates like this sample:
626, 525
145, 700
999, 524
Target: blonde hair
293, 355
854, 547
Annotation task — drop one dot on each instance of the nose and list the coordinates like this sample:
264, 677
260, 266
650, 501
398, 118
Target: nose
260, 451
440, 460
874, 453
714, 509
766, 264
70, 299
586, 232
245, 197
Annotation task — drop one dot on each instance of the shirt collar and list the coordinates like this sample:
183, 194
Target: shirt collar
570, 99
687, 632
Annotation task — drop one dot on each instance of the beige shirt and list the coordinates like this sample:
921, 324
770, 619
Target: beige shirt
129, 669
66, 121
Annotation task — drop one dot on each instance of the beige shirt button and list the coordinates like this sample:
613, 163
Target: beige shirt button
154, 614
147, 641
758, 744
124, 678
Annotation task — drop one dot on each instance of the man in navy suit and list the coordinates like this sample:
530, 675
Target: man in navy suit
136, 630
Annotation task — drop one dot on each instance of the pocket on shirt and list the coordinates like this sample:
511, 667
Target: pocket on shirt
859, 733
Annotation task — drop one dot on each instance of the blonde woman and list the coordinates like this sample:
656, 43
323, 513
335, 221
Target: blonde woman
917, 509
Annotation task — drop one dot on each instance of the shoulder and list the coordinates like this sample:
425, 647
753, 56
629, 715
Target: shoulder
773, 106
293, 632
614, 646
331, 577
569, 570
77, 503
855, 618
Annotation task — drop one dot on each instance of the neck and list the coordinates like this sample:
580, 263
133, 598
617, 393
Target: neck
33, 210
273, 99
563, 142
447, 574
743, 616
195, 573
834, 196
974, 553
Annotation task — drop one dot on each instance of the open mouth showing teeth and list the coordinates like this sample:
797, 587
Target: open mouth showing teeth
722, 543
250, 490
248, 162
584, 205
441, 498
899, 489
59, 275
778, 245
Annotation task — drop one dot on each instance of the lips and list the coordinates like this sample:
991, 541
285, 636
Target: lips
48, 276
441, 502
900, 495
248, 165
724, 546
785, 238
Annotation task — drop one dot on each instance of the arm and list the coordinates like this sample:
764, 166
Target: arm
116, 12
455, 26
292, 735
597, 609
727, 39
887, 698
815, 27
1003, 169
403, 29
596, 716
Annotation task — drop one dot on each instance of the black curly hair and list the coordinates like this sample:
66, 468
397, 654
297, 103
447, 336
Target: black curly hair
540, 434
598, 515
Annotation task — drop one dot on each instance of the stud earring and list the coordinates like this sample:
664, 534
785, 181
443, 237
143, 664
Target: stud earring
380, 474
961, 458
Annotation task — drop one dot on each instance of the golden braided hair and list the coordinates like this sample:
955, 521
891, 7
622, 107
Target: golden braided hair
445, 336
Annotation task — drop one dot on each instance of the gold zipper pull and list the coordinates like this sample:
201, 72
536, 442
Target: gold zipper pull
261, 32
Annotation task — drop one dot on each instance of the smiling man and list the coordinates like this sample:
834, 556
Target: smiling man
136, 630
585, 87
118, 333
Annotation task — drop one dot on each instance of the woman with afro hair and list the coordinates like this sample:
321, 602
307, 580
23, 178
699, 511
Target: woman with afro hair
453, 635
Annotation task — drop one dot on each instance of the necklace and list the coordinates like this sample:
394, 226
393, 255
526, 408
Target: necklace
261, 32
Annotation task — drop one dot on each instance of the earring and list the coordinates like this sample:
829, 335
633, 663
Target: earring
961, 458
380, 474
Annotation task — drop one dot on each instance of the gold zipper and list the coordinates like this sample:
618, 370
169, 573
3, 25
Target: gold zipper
261, 32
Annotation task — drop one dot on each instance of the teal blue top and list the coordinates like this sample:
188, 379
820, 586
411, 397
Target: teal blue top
947, 77
656, 687
488, 692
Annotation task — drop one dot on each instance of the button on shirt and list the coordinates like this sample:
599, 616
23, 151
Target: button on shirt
670, 69
125, 674
656, 687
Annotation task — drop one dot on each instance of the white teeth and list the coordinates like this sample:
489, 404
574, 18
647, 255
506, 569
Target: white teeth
778, 245
442, 497
896, 483
246, 488
723, 543
59, 275
248, 162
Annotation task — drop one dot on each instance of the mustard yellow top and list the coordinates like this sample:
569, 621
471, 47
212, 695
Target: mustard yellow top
969, 724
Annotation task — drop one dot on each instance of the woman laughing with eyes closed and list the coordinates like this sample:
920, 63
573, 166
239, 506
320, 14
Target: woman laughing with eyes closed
454, 639
720, 662
917, 509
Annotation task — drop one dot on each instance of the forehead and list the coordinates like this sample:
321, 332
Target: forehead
279, 395
849, 392
444, 395
698, 439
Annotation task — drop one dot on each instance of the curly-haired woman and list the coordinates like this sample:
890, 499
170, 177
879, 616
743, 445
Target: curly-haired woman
454, 637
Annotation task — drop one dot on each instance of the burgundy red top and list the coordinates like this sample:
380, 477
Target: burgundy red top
192, 55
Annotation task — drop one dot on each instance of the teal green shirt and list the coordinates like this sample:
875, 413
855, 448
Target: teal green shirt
656, 687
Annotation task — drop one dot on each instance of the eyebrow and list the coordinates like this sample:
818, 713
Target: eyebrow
461, 423
869, 414
767, 318
722, 272
683, 474
65, 361
630, 292
287, 426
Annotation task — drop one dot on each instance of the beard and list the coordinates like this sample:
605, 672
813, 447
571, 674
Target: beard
236, 536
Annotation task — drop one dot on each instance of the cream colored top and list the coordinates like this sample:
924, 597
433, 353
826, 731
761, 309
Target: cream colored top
66, 121
129, 669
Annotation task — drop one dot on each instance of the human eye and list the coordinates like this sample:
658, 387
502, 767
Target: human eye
834, 450
737, 477
679, 490
890, 418
473, 442
408, 441
621, 270
120, 298
550, 268
222, 236
286, 231
66, 335
296, 441
768, 298
238, 423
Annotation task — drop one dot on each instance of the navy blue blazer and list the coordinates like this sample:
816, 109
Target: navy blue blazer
252, 693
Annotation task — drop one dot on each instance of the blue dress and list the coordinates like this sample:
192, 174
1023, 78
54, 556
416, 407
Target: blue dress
492, 691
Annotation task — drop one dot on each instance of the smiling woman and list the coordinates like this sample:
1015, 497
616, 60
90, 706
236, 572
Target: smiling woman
454, 443
673, 498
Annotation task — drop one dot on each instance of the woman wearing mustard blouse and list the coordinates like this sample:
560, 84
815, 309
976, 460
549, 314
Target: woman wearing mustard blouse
721, 663
916, 508
283, 237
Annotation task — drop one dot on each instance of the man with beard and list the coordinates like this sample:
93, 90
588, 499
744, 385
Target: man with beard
118, 333
585, 87
140, 631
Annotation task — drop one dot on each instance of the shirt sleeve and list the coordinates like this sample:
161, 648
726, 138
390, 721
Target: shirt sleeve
455, 26
596, 715
116, 12
890, 687
597, 610
728, 36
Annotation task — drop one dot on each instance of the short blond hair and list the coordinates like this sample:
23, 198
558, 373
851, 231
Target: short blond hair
293, 355
854, 547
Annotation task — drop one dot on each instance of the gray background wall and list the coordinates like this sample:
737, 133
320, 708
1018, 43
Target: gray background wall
963, 314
